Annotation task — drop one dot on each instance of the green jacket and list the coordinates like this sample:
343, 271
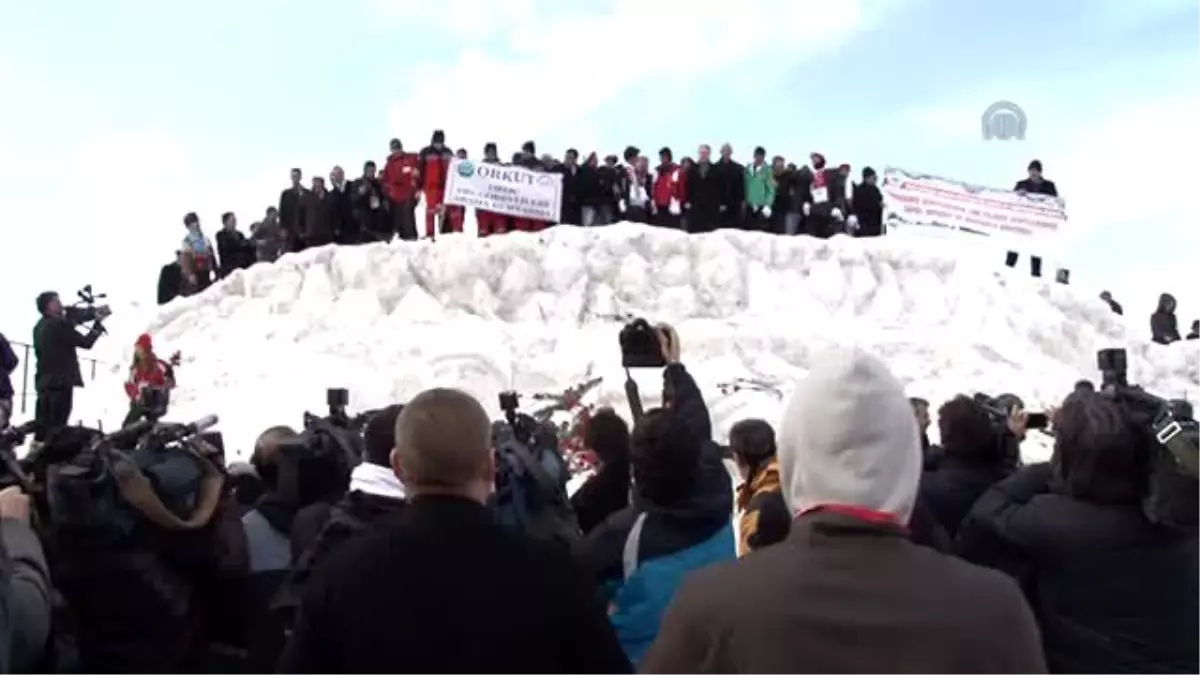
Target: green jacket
760, 186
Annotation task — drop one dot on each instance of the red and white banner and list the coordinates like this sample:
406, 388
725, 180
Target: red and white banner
920, 201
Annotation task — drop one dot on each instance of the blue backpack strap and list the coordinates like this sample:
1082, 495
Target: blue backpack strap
633, 542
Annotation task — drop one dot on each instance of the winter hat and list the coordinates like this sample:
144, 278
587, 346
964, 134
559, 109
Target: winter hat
529, 148
849, 439
44, 300
395, 144
868, 172
144, 342
439, 136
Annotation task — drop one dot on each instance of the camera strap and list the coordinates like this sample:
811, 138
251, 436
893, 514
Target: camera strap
634, 397
137, 490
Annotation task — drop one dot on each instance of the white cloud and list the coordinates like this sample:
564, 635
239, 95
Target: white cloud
562, 64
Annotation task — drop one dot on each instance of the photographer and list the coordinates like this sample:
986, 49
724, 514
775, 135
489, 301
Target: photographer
680, 516
25, 592
1112, 591
57, 372
975, 454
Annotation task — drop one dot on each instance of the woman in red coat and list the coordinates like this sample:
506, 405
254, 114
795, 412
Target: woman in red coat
148, 373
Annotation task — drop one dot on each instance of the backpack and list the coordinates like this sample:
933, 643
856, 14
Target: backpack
529, 498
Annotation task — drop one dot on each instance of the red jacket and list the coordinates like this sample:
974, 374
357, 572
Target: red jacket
400, 176
154, 377
433, 164
669, 184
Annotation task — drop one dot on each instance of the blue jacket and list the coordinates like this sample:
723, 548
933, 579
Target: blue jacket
641, 555
8, 364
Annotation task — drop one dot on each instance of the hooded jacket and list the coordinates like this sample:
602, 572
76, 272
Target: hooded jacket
1164, 327
641, 554
850, 462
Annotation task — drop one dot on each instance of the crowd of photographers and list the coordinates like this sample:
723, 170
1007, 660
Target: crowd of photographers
426, 537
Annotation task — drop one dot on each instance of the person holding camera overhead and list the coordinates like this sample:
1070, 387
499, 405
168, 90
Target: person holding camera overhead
57, 371
150, 380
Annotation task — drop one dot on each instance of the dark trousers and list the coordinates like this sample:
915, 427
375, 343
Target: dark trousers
1062, 276
52, 411
404, 219
664, 218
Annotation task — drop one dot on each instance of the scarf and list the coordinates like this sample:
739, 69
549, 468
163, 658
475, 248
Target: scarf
638, 196
196, 242
376, 480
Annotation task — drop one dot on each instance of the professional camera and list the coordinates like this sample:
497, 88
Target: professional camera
332, 443
640, 347
86, 310
1171, 437
105, 488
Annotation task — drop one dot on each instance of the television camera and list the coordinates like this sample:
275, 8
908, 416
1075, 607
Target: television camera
336, 437
85, 310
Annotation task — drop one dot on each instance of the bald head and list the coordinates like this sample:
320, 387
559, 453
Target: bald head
444, 442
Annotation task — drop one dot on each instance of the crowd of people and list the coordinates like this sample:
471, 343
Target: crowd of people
439, 540
698, 194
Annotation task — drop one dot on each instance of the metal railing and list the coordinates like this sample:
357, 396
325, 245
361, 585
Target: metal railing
24, 391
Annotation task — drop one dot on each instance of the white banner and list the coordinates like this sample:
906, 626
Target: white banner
933, 203
500, 188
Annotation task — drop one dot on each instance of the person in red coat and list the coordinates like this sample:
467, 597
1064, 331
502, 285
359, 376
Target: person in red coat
668, 191
433, 162
400, 177
146, 373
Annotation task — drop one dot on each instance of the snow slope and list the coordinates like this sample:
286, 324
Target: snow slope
542, 312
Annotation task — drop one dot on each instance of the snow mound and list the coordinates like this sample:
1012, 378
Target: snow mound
540, 312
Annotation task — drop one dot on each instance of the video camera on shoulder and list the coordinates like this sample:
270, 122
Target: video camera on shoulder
640, 346
86, 310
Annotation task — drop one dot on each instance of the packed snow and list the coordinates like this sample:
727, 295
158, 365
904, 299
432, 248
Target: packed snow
541, 312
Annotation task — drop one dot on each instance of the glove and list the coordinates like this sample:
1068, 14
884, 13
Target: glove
766, 212
674, 207
621, 205
807, 209
837, 214
852, 223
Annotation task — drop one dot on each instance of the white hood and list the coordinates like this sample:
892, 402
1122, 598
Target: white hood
849, 438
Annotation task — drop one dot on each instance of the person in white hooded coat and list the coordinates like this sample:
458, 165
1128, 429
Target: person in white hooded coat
848, 590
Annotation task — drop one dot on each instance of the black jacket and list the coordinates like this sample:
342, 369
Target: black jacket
234, 250
704, 193
1041, 187
291, 209
668, 528
731, 184
950, 490
1112, 592
447, 590
602, 495
573, 178
54, 343
8, 365
340, 210
1164, 326
867, 205
170, 280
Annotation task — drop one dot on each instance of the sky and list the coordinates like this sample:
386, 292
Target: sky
119, 117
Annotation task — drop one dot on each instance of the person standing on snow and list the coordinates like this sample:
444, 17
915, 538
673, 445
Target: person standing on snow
453, 216
233, 249
291, 211
343, 222
432, 165
759, 188
731, 186
826, 206
399, 184
490, 222
866, 206
668, 191
572, 190
1036, 184
146, 373
369, 206
56, 372
1164, 326
199, 257
320, 216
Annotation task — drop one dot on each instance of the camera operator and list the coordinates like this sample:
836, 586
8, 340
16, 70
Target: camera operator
976, 453
57, 373
1113, 591
25, 592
